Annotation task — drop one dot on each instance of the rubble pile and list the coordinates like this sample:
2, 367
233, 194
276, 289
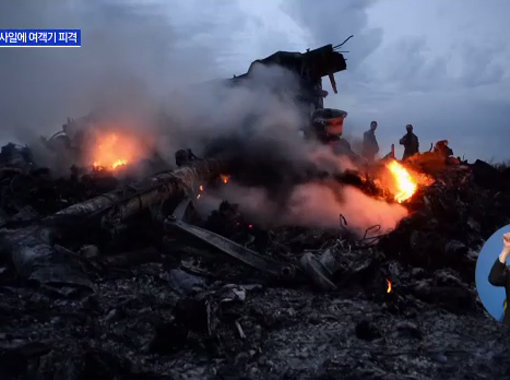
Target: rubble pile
453, 217
173, 296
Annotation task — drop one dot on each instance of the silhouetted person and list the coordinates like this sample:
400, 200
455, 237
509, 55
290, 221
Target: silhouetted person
370, 146
499, 275
410, 142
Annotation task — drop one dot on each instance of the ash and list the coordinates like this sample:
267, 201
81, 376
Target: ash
159, 304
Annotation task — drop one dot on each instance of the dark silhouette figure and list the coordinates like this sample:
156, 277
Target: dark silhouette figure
370, 146
410, 142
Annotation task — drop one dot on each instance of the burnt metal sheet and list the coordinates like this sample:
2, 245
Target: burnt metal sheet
231, 248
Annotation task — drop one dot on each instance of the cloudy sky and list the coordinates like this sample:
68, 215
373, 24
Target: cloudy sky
440, 65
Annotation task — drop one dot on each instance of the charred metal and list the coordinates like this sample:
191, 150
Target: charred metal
108, 274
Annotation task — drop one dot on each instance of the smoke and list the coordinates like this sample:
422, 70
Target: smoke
324, 158
276, 172
313, 204
137, 71
320, 205
202, 115
131, 56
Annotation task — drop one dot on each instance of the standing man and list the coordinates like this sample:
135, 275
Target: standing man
370, 146
410, 142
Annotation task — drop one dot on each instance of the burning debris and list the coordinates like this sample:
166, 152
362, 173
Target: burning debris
224, 178
112, 152
406, 181
389, 286
222, 257
405, 184
424, 264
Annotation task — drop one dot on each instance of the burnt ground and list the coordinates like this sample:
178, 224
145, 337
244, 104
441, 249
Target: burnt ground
178, 317
124, 331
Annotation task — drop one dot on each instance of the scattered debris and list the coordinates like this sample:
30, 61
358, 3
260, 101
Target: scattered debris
103, 276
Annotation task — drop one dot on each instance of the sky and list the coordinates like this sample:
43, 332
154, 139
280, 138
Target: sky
492, 296
439, 65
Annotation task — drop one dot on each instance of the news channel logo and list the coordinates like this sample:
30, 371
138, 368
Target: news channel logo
40, 37
492, 275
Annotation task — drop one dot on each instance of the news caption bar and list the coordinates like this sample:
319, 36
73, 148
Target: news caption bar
40, 37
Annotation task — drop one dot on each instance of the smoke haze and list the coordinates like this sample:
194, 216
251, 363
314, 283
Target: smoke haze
135, 71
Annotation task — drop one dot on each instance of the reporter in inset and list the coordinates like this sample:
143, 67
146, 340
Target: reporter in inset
500, 275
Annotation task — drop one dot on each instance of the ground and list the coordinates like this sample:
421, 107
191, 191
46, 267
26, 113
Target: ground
166, 313
289, 334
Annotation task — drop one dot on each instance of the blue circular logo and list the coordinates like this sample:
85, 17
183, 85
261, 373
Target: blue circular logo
492, 276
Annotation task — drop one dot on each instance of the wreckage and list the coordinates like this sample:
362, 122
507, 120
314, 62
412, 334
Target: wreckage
325, 124
310, 68
420, 274
34, 249
37, 257
107, 277
31, 248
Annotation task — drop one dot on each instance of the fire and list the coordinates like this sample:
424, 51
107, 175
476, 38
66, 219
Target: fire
406, 185
389, 287
201, 190
118, 163
114, 150
224, 178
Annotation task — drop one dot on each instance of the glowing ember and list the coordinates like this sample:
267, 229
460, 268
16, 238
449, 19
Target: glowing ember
113, 150
406, 186
389, 288
224, 178
201, 188
118, 163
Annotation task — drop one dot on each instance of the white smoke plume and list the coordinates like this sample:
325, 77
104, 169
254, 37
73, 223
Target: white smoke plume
319, 205
136, 71
312, 205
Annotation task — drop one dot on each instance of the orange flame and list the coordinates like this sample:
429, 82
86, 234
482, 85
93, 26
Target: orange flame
389, 287
224, 178
113, 150
118, 163
406, 185
201, 190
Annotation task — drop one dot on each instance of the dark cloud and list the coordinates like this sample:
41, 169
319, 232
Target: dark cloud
330, 22
439, 65
411, 64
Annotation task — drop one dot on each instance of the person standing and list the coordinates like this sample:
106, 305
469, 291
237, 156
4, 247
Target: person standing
370, 146
410, 142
